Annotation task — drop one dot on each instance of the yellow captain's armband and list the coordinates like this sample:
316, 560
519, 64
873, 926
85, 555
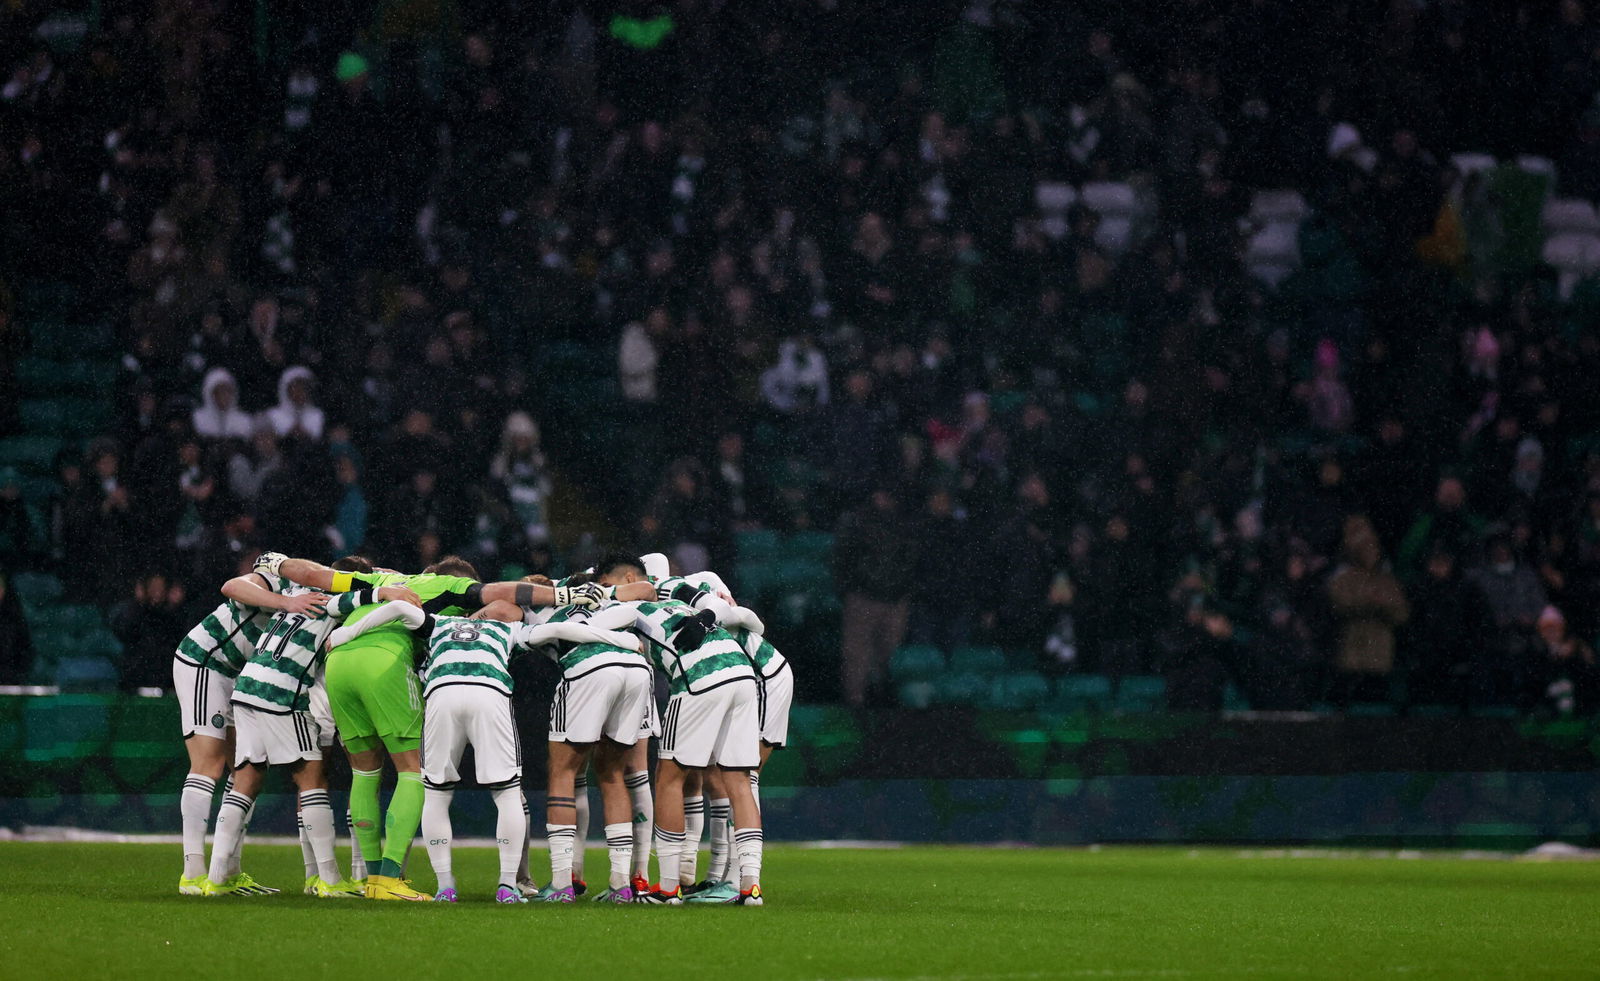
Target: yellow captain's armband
341, 582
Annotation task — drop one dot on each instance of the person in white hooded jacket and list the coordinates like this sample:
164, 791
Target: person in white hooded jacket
219, 415
295, 410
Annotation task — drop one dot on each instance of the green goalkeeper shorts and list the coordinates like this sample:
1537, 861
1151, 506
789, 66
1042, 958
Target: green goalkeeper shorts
376, 697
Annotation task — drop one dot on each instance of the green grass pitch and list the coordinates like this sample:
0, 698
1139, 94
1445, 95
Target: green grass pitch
88, 911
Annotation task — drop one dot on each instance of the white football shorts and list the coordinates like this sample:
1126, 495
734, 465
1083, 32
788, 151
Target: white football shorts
607, 702
776, 694
205, 700
720, 726
457, 716
264, 738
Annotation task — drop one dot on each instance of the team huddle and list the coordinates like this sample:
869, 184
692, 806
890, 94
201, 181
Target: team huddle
413, 669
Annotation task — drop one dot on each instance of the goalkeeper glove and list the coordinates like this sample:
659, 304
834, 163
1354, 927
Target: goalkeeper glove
268, 563
584, 597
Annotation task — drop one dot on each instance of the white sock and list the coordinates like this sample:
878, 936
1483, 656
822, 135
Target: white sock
669, 855
316, 817
755, 788
232, 820
358, 867
510, 831
619, 845
436, 832
644, 819
235, 862
581, 840
747, 842
694, 825
721, 822
194, 805
307, 856
523, 873
560, 837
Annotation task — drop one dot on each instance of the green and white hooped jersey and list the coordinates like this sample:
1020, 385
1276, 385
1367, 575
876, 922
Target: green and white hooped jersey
680, 589
719, 660
767, 659
279, 675
577, 660
226, 638
463, 651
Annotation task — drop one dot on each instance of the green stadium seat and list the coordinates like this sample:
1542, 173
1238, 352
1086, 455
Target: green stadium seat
961, 688
36, 453
757, 545
36, 489
86, 674
918, 694
752, 580
100, 642
981, 660
813, 545
1141, 693
69, 341
40, 415
37, 588
1083, 693
75, 619
801, 575
1233, 699
52, 644
1018, 691
916, 662
1372, 709
48, 378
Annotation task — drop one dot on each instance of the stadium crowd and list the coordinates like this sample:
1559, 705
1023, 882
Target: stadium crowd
409, 288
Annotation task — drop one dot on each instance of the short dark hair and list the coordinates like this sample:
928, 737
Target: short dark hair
612, 561
581, 578
452, 565
353, 563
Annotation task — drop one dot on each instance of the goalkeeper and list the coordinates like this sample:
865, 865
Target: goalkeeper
376, 697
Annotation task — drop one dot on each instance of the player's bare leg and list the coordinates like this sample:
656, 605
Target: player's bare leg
636, 776
208, 761
694, 826
618, 812
670, 778
567, 760
316, 814
747, 835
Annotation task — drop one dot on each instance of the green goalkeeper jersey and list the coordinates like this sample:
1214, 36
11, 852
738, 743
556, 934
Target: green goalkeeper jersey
225, 639
283, 667
718, 660
440, 596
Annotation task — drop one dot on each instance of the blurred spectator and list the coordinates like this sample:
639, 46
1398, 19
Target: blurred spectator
295, 415
219, 415
520, 470
1565, 677
876, 552
1446, 633
16, 644
149, 624
1368, 605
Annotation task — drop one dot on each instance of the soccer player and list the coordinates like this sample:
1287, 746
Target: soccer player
468, 697
376, 698
594, 714
711, 719
775, 695
204, 667
275, 726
